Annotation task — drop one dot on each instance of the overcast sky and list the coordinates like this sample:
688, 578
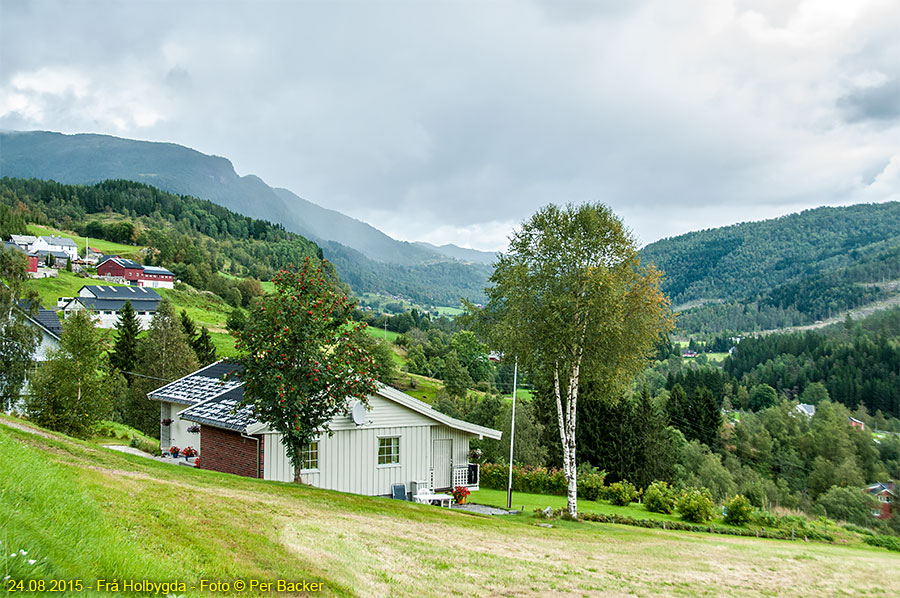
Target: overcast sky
453, 122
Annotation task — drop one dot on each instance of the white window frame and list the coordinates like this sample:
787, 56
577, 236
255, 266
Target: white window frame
378, 454
305, 453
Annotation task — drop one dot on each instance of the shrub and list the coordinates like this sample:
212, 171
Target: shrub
535, 480
763, 518
889, 542
696, 505
848, 504
738, 510
590, 485
622, 493
659, 497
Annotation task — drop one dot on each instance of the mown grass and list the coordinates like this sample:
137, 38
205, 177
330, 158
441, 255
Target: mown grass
107, 247
109, 432
84, 512
527, 503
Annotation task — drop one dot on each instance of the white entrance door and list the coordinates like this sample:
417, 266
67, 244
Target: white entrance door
442, 462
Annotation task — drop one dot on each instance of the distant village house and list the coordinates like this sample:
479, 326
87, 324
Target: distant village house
119, 269
105, 304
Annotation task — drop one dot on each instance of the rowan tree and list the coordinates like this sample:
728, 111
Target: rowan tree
570, 294
303, 357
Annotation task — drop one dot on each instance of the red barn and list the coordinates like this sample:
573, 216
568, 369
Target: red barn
121, 268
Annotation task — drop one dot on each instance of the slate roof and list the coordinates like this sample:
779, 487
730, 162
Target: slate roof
61, 241
219, 412
11, 245
57, 254
126, 292
157, 270
202, 385
23, 239
45, 318
130, 264
98, 304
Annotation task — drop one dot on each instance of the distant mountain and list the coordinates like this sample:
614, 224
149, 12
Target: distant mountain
354, 245
463, 254
786, 271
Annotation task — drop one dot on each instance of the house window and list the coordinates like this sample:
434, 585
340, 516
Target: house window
389, 450
309, 456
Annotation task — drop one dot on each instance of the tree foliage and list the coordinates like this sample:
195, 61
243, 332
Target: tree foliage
570, 295
302, 358
18, 339
71, 391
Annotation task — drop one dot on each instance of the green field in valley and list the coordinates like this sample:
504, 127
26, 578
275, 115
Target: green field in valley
78, 511
108, 247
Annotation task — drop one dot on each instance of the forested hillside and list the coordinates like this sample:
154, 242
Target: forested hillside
788, 271
197, 238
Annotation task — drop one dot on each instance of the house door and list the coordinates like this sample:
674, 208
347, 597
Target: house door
442, 462
164, 431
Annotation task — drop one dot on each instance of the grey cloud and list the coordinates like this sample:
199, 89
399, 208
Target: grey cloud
877, 103
430, 118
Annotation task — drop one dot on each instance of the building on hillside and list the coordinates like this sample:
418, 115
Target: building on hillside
131, 272
397, 439
886, 494
93, 255
157, 277
54, 243
31, 259
52, 258
105, 303
47, 322
127, 271
23, 241
806, 409
857, 423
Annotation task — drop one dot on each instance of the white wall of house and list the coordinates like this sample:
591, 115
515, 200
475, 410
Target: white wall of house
156, 284
41, 244
176, 433
348, 460
109, 318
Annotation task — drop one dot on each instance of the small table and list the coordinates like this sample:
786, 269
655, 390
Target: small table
445, 500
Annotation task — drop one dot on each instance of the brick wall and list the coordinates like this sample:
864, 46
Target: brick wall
229, 452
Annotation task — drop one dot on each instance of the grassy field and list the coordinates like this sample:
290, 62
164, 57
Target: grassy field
206, 309
426, 389
84, 512
104, 246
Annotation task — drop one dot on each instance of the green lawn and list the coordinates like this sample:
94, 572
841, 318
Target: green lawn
83, 512
529, 502
381, 333
104, 246
426, 389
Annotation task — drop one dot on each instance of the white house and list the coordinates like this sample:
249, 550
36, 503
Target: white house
106, 302
54, 243
398, 439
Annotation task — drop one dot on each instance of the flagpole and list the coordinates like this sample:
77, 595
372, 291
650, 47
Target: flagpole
512, 436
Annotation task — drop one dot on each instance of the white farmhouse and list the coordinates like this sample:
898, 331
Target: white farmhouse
54, 243
398, 439
106, 302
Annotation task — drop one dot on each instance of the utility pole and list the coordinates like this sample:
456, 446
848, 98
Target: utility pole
512, 436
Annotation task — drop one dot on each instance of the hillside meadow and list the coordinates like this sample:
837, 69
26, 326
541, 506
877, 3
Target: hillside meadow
84, 512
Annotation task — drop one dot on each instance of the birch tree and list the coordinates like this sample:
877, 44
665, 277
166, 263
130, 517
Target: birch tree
569, 296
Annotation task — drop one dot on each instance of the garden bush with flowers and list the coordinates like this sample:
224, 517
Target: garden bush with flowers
188, 451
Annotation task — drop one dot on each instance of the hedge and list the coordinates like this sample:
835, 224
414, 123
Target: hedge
539, 480
889, 542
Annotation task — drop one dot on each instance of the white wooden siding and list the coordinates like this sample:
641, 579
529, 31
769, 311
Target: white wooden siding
383, 413
348, 460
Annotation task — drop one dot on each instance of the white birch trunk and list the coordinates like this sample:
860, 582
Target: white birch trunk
567, 421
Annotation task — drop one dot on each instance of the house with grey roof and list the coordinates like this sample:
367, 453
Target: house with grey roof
105, 303
394, 439
54, 243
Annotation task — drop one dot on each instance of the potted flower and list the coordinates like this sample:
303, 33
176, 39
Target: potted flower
195, 429
166, 422
459, 494
174, 451
188, 452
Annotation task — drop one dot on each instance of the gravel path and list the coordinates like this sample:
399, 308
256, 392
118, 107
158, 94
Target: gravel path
483, 509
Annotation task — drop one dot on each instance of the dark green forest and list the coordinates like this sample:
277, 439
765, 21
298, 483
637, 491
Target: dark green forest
787, 271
